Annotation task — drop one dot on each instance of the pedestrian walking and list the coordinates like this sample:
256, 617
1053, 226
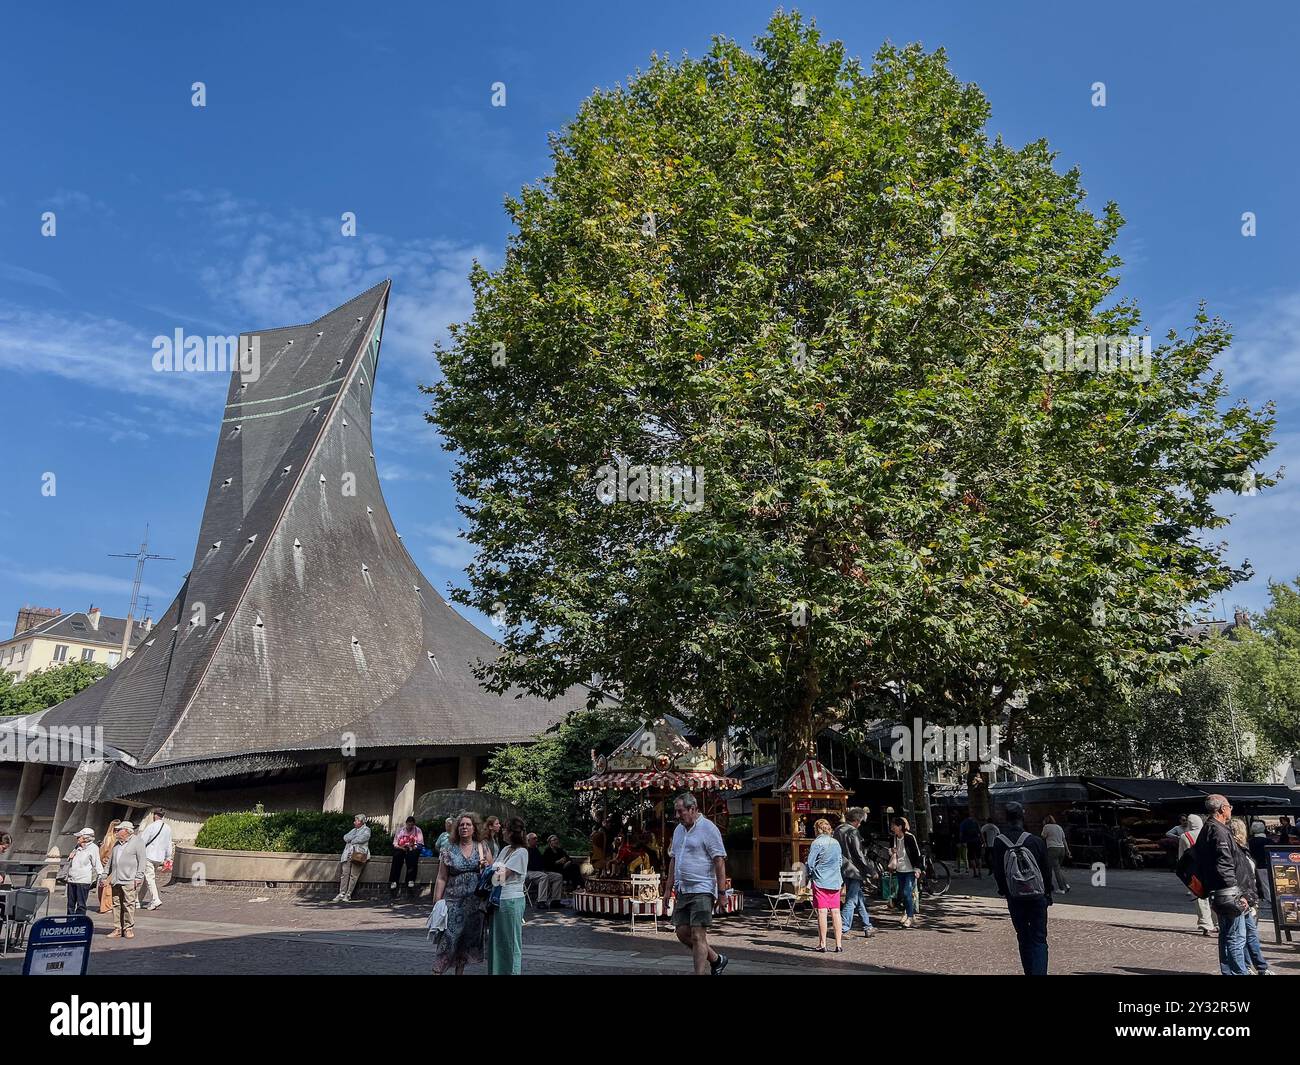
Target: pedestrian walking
1058, 850
85, 871
125, 874
1205, 919
158, 849
854, 869
1254, 950
356, 852
1228, 881
824, 863
1019, 862
459, 864
505, 954
105, 854
408, 841
697, 873
970, 844
905, 862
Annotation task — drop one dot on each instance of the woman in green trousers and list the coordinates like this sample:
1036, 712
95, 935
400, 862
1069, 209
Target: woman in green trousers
506, 935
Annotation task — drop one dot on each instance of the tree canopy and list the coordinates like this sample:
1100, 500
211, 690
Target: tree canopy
45, 687
821, 294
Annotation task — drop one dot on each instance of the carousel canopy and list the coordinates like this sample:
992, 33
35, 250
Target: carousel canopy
813, 776
656, 756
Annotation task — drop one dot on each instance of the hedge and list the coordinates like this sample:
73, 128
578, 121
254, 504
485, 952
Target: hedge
304, 831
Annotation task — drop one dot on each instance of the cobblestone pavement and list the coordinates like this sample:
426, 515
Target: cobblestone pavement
1140, 923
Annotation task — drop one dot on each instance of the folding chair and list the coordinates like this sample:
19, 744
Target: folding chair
645, 891
23, 906
792, 888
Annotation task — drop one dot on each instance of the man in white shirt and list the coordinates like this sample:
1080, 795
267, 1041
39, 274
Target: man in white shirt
697, 871
157, 836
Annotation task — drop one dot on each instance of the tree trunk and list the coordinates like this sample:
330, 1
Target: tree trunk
798, 741
922, 825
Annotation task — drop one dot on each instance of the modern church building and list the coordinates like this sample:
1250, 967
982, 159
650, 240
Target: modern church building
305, 662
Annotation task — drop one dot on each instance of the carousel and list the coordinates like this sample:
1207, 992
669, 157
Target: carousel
629, 851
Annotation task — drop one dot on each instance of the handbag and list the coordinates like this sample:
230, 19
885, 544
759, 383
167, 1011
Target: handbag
358, 857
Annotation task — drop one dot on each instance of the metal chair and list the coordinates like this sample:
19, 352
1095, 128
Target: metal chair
645, 889
792, 889
22, 907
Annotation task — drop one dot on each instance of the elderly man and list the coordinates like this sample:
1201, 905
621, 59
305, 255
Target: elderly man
697, 871
1224, 869
550, 886
125, 875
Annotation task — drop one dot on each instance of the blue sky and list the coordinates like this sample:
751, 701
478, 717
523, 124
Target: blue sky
226, 218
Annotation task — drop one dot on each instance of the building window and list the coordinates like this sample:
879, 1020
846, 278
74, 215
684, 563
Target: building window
113, 658
22, 652
61, 652
87, 654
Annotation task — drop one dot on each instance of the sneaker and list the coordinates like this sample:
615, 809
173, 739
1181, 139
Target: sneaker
715, 968
870, 932
128, 934
338, 898
153, 905
115, 934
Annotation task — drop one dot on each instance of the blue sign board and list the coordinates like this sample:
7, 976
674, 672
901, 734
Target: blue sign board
59, 946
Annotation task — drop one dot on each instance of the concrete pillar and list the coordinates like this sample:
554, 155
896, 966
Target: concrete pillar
29, 787
467, 773
403, 793
62, 811
336, 784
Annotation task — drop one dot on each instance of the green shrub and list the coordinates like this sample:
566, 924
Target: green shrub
304, 831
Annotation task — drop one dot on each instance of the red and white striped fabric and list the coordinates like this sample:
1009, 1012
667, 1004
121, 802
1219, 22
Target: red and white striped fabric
648, 778
813, 776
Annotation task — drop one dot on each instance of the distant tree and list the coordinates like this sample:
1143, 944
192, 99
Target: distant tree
45, 687
1267, 658
539, 777
1199, 726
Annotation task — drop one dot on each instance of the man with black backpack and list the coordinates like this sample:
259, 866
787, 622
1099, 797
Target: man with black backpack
1019, 859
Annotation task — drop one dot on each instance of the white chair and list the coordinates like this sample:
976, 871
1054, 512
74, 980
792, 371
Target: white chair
791, 889
645, 889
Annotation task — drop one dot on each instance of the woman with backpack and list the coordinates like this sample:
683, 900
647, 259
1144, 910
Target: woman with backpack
906, 862
825, 877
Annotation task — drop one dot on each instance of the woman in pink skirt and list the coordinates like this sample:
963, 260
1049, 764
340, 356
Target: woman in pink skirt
826, 878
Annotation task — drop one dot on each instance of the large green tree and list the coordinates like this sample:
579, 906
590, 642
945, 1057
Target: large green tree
827, 291
1267, 658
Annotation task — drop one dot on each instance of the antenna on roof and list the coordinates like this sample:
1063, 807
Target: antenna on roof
141, 557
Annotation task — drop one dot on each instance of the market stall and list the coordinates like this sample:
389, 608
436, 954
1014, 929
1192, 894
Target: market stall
652, 766
783, 824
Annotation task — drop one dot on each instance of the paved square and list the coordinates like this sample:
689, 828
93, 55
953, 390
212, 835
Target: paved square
1141, 922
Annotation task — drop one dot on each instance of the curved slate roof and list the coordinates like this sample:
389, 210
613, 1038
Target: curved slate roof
303, 625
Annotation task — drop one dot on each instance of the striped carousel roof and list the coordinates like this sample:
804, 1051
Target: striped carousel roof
812, 776
640, 780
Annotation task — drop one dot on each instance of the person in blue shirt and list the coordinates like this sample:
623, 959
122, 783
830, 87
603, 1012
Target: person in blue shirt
826, 879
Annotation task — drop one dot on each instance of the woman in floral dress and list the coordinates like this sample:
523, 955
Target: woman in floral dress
459, 863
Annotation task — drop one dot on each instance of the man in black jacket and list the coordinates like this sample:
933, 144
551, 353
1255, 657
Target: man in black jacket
1227, 879
853, 865
1027, 900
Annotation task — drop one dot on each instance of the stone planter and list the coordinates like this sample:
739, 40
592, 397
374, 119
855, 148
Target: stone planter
204, 865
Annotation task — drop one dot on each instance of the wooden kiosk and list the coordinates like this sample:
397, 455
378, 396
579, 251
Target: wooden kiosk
783, 824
